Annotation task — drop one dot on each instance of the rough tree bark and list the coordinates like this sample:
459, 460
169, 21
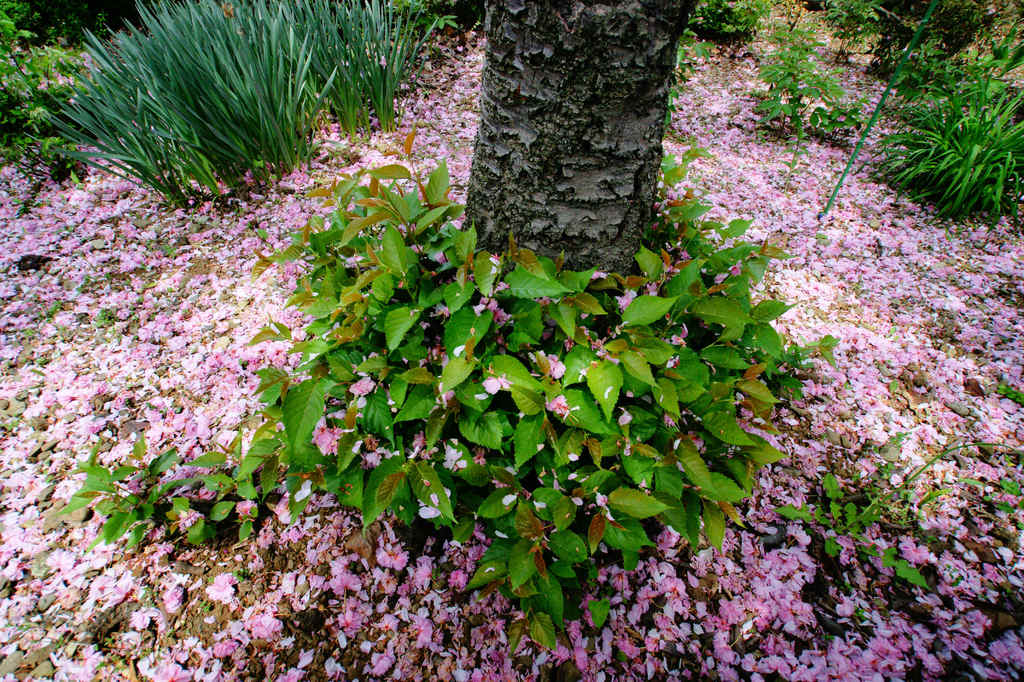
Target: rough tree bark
572, 115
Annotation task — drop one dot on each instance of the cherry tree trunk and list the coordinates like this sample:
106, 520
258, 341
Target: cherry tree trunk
572, 111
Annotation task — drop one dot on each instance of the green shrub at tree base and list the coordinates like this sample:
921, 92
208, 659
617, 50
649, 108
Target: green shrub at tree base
560, 412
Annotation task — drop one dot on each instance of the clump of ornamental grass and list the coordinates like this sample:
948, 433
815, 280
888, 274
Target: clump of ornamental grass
205, 94
565, 414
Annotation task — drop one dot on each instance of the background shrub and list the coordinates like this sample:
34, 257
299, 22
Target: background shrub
728, 21
804, 96
68, 20
35, 82
953, 26
464, 14
962, 144
206, 92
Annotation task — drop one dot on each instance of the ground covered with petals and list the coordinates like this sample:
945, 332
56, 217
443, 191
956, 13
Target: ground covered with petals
120, 316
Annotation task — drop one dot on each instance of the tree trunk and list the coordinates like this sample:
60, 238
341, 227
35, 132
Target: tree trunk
572, 115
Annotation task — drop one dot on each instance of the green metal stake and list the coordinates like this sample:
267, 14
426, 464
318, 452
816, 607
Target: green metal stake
878, 108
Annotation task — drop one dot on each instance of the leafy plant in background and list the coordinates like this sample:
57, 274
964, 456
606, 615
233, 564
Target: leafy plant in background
463, 14
853, 22
803, 95
731, 22
562, 412
67, 20
962, 143
206, 93
847, 518
687, 53
954, 25
35, 82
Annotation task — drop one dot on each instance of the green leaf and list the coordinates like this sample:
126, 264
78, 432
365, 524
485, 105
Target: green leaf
564, 316
722, 425
515, 371
528, 402
550, 599
529, 436
576, 363
436, 190
637, 366
524, 284
631, 537
486, 573
397, 323
568, 545
394, 254
485, 271
649, 262
542, 630
605, 380
487, 429
583, 413
497, 504
766, 311
392, 171
214, 459
599, 611
221, 510
714, 524
418, 404
456, 296
463, 326
521, 566
910, 574
303, 408
455, 372
374, 502
645, 310
635, 503
427, 487
756, 390
795, 513
725, 357
665, 394
695, 468
723, 311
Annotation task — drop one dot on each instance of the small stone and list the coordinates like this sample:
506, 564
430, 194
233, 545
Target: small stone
973, 387
920, 379
45, 602
962, 409
79, 516
890, 452
46, 493
96, 244
11, 663
43, 670
848, 441
38, 656
4, 404
39, 568
833, 437
844, 413
15, 408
